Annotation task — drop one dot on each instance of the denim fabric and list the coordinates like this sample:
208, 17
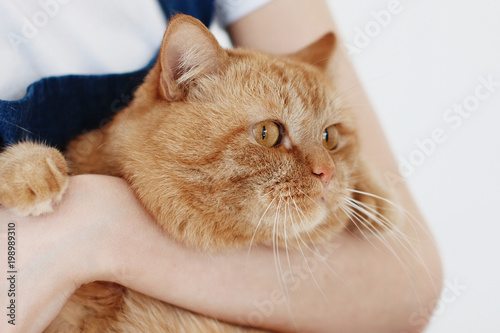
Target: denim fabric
201, 9
57, 109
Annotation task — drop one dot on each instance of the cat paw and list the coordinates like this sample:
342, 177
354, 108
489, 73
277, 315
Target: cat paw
33, 178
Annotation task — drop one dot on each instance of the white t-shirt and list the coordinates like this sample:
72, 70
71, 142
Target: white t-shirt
42, 38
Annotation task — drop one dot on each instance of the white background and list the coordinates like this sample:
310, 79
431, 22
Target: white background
427, 58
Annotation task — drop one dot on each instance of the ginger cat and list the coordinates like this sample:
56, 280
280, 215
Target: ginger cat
214, 144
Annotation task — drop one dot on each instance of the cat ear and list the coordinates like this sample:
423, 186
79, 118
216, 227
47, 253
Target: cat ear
188, 50
318, 53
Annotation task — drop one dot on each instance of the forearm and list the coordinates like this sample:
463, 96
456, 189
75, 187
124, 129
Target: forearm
52, 257
100, 232
29, 314
76, 244
361, 286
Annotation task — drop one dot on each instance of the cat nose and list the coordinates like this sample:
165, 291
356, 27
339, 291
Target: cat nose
324, 173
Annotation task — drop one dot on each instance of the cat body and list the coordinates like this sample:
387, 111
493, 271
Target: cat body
215, 143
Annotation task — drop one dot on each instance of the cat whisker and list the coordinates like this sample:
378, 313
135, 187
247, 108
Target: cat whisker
277, 262
307, 264
257, 227
278, 252
324, 233
290, 272
298, 189
380, 219
274, 243
285, 236
353, 234
356, 212
412, 220
361, 219
301, 213
402, 239
301, 217
20, 127
376, 197
370, 227
317, 252
266, 194
409, 217
349, 212
299, 239
378, 235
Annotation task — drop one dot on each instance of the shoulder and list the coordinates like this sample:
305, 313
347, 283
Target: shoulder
229, 11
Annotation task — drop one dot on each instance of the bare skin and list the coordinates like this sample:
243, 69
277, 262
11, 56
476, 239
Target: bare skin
100, 232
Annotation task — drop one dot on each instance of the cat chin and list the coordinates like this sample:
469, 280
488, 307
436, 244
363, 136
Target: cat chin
321, 216
292, 223
310, 221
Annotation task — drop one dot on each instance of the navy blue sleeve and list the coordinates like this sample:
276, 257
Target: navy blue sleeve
57, 109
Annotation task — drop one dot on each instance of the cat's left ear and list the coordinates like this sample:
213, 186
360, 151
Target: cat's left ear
188, 50
318, 53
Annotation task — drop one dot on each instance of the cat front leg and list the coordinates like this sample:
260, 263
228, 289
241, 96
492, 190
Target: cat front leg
33, 177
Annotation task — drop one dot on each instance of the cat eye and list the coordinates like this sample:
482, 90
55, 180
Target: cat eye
267, 133
331, 137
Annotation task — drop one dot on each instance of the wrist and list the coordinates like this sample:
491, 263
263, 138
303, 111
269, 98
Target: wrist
86, 224
118, 230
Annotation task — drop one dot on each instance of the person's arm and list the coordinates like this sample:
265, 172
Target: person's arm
100, 232
52, 255
283, 27
372, 288
375, 285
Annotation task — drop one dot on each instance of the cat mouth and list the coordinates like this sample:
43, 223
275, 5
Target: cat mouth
299, 199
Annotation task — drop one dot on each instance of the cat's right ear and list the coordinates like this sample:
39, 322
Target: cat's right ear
188, 50
318, 53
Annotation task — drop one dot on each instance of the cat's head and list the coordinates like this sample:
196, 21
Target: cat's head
233, 145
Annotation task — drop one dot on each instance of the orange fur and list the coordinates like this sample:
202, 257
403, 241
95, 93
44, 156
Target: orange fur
185, 145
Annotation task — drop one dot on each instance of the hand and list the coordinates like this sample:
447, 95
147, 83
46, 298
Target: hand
56, 253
